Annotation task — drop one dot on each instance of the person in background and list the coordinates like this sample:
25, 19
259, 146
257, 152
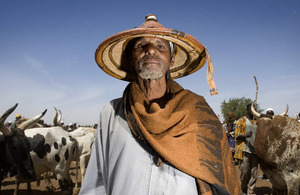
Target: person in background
230, 131
14, 123
270, 112
245, 132
158, 138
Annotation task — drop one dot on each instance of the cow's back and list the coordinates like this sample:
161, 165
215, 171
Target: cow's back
52, 149
49, 147
277, 144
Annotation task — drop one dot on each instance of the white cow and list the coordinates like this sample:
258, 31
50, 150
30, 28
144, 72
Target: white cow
85, 137
52, 149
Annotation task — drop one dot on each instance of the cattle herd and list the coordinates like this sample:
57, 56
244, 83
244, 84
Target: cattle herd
30, 152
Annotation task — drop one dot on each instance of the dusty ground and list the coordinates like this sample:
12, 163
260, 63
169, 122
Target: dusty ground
8, 185
263, 187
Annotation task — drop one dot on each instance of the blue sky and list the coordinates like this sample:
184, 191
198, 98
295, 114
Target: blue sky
47, 52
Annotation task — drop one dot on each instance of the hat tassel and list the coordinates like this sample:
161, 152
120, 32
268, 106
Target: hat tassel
209, 75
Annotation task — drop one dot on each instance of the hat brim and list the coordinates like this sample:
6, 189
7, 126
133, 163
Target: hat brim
190, 55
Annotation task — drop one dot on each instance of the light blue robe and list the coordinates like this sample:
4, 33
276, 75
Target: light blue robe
120, 166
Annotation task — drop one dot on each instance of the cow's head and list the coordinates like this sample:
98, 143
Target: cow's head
17, 158
270, 116
270, 129
18, 155
268, 124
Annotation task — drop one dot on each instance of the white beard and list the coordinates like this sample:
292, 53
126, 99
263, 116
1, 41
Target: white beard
146, 73
150, 74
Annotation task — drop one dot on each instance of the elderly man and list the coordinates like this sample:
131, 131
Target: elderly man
158, 138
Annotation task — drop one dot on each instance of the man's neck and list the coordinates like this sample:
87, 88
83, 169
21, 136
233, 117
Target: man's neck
153, 88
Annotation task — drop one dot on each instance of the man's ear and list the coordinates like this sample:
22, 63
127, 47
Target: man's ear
172, 60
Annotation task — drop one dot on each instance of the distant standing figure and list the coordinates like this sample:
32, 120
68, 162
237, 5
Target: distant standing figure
270, 112
14, 123
230, 131
245, 132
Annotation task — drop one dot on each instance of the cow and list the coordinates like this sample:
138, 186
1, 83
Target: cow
15, 159
46, 174
277, 144
85, 137
52, 149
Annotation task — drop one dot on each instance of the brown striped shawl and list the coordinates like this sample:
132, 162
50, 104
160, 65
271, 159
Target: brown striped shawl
186, 134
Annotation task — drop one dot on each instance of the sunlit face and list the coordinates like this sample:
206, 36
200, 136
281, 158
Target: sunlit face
151, 57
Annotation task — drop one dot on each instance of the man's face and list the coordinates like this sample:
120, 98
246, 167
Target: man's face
151, 57
270, 112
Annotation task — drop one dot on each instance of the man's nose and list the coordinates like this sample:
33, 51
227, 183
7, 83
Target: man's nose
149, 49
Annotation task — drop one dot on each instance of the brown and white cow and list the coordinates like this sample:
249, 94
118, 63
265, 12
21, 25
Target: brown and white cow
277, 144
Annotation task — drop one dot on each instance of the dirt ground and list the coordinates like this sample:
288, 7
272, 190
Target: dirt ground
263, 187
8, 185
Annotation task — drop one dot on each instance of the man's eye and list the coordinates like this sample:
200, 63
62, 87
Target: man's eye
138, 46
161, 47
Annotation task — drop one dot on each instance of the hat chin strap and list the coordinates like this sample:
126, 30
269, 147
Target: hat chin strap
209, 75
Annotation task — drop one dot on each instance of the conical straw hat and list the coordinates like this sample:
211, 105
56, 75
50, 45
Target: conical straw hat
190, 54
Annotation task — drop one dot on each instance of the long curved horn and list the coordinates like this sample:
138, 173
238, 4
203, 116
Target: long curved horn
59, 118
29, 122
5, 130
255, 101
254, 111
55, 117
285, 112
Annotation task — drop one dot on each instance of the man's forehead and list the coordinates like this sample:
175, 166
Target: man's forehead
154, 39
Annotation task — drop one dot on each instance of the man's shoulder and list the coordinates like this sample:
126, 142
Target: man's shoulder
116, 102
193, 95
114, 110
112, 105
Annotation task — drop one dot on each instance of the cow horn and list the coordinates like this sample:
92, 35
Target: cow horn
256, 84
5, 130
59, 118
55, 117
285, 112
254, 111
29, 122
